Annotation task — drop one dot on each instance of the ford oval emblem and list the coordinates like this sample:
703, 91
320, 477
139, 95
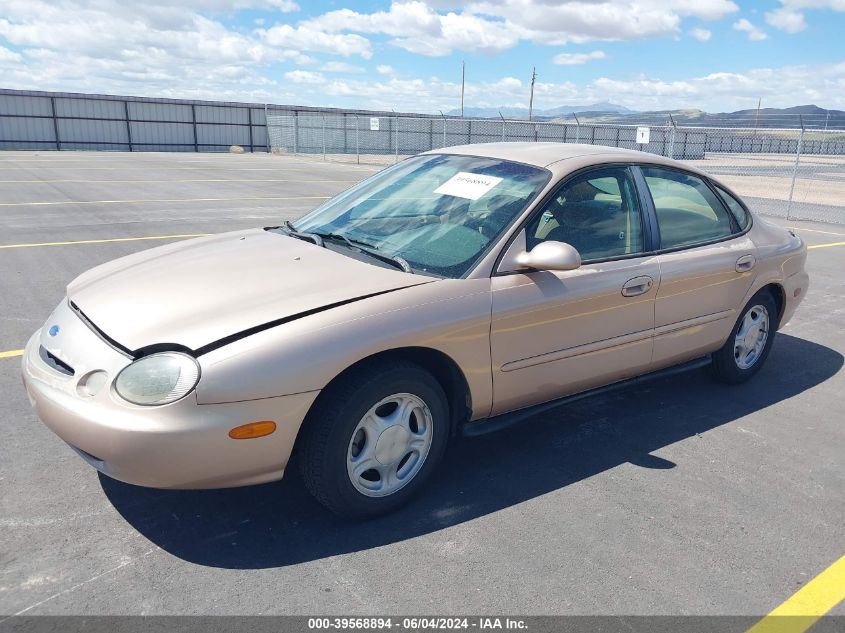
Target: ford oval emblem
54, 329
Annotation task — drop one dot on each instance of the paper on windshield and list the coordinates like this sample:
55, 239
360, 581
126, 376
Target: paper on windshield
467, 185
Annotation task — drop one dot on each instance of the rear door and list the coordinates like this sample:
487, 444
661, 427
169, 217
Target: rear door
560, 332
706, 265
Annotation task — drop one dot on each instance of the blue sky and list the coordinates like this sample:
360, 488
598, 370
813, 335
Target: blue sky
717, 55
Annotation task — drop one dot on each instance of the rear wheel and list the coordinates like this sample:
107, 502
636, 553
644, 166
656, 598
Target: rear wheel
747, 348
374, 439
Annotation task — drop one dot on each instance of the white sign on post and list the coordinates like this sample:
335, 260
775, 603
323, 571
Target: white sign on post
374, 123
642, 135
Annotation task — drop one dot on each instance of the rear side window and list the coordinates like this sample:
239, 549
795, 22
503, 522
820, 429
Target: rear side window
688, 212
736, 208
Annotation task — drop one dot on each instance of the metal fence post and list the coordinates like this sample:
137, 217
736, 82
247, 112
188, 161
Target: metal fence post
324, 136
267, 128
55, 122
295, 132
357, 141
194, 124
128, 128
396, 139
672, 141
249, 121
794, 172
503, 127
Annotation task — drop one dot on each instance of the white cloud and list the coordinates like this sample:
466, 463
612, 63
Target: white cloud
755, 34
9, 56
227, 6
579, 21
419, 29
159, 48
574, 59
304, 77
789, 16
719, 91
702, 35
341, 67
779, 87
491, 26
155, 47
786, 20
286, 6
306, 38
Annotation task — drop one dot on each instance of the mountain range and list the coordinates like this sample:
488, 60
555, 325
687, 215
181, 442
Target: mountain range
550, 113
810, 116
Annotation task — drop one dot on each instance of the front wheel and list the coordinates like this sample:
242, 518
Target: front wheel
749, 343
374, 438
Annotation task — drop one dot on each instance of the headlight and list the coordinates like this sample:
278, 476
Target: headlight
158, 379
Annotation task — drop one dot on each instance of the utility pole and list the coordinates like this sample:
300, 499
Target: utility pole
463, 75
531, 98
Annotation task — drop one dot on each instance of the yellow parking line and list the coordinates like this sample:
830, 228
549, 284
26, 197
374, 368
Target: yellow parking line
795, 228
11, 353
811, 602
60, 202
826, 245
114, 239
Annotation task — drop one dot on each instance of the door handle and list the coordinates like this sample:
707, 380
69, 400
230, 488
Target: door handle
637, 286
745, 263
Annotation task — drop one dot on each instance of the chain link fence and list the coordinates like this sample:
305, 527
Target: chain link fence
788, 173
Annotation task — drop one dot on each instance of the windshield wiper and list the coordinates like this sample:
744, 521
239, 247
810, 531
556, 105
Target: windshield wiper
370, 249
290, 229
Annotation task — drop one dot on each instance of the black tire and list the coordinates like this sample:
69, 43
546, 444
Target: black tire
324, 444
725, 366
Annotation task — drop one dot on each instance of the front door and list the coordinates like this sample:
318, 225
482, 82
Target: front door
558, 333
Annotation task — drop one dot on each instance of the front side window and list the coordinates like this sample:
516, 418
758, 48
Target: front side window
438, 212
596, 212
688, 212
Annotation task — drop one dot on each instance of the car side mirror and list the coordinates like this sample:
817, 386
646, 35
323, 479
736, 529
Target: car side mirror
550, 256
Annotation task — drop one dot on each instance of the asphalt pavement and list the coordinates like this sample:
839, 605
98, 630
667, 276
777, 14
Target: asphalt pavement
680, 496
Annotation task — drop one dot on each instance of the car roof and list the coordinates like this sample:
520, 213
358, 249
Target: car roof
543, 154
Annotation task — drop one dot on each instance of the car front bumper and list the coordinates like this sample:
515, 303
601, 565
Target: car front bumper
179, 445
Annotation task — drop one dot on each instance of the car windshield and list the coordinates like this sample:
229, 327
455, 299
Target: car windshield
437, 212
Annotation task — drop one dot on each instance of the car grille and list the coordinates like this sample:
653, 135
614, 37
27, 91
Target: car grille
55, 362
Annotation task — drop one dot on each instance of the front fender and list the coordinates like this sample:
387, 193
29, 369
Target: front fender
450, 316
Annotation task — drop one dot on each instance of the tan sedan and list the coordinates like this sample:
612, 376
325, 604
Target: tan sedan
456, 292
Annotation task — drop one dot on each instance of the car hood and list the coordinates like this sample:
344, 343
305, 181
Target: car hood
199, 292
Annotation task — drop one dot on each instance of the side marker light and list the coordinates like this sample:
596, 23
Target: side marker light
252, 429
